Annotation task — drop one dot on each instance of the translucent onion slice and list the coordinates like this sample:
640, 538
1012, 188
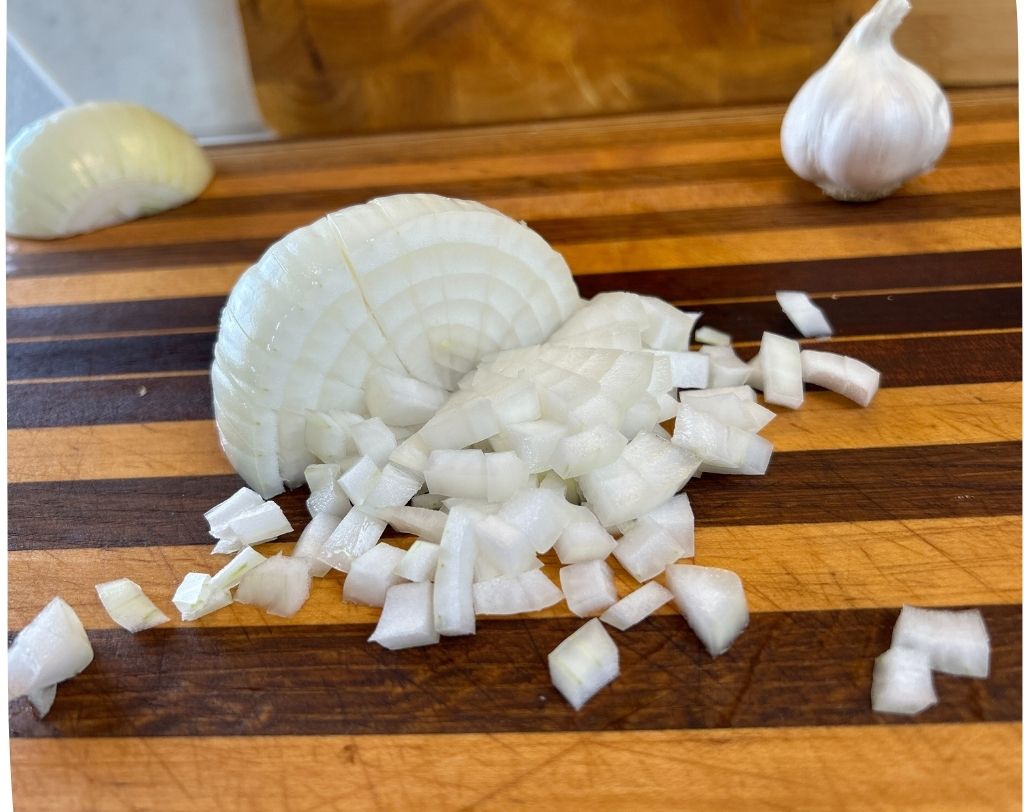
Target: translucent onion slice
53, 647
806, 316
128, 605
92, 166
453, 579
231, 574
637, 605
847, 376
782, 371
196, 596
312, 540
584, 663
418, 284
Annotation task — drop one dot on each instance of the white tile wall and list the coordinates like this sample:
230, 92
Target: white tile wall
185, 59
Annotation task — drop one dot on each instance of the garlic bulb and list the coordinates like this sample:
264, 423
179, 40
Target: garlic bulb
869, 120
98, 164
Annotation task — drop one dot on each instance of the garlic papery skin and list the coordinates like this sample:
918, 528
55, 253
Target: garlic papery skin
869, 120
98, 164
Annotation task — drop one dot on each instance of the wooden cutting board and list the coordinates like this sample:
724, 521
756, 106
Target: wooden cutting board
113, 458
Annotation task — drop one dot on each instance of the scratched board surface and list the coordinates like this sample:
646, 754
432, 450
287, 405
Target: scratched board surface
113, 458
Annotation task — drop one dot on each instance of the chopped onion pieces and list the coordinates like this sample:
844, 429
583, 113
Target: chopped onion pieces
280, 585
955, 642
636, 606
713, 603
902, 682
589, 587
53, 647
806, 316
407, 619
847, 376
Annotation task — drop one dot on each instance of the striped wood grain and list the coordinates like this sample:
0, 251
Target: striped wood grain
113, 459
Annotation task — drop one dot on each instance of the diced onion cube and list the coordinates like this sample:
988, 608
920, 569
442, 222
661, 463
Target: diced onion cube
359, 480
372, 574
393, 488
782, 371
589, 587
419, 562
354, 535
955, 642
399, 400
427, 524
53, 647
453, 579
541, 514
373, 439
515, 594
584, 663
259, 525
668, 328
636, 606
502, 547
232, 573
280, 585
196, 596
460, 426
713, 603
534, 442
676, 517
646, 549
505, 474
902, 682
311, 543
407, 619
128, 605
806, 316
584, 539
241, 501
713, 337
586, 450
461, 473
726, 368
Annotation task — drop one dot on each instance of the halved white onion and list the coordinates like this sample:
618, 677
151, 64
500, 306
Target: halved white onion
417, 284
98, 164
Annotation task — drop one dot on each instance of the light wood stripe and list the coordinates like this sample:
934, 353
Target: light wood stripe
791, 245
154, 331
124, 286
937, 766
271, 225
824, 343
923, 415
542, 163
126, 376
785, 567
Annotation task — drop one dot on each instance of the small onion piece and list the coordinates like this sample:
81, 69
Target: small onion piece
239, 503
372, 575
53, 647
589, 587
407, 619
453, 579
637, 605
128, 605
312, 540
902, 682
584, 539
713, 603
515, 594
419, 562
196, 596
955, 642
584, 663
280, 585
782, 371
646, 549
847, 376
97, 164
806, 316
400, 400
232, 573
712, 337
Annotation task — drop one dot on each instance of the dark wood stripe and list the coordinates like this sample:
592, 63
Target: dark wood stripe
910, 482
815, 211
908, 361
110, 356
909, 312
787, 669
824, 275
90, 403
95, 260
991, 309
30, 322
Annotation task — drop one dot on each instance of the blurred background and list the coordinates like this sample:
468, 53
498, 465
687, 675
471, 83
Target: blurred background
232, 70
